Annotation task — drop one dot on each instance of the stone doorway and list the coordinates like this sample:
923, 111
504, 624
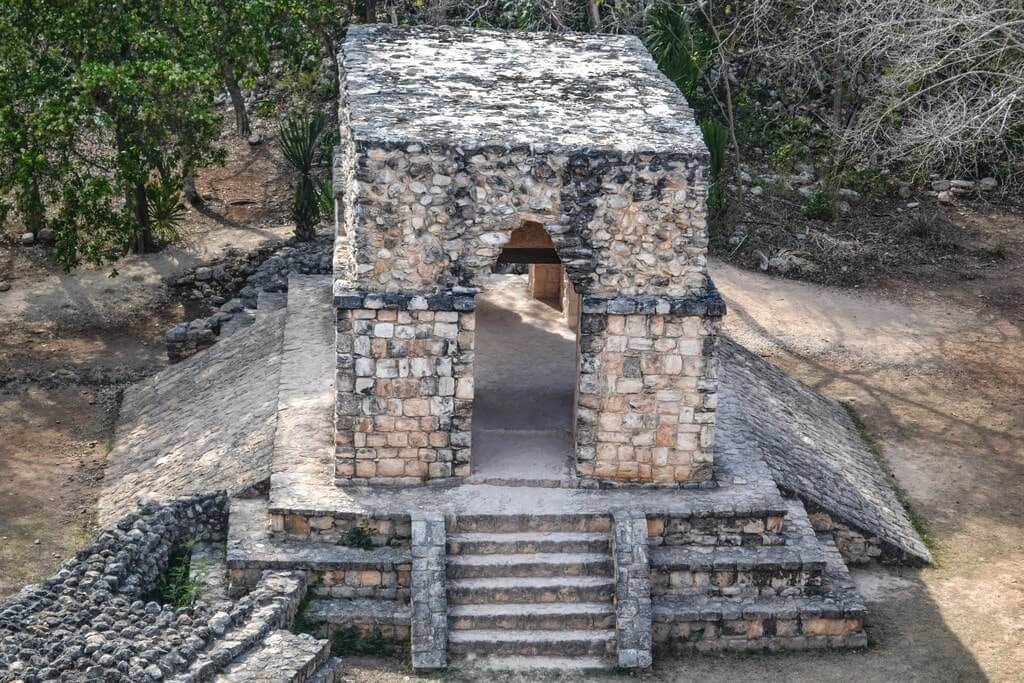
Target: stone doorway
525, 369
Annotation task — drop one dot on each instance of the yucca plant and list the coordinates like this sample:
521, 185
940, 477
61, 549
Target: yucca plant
302, 141
716, 137
679, 46
166, 209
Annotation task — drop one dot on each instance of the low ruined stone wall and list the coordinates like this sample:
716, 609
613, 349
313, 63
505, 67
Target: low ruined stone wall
232, 285
392, 530
94, 620
760, 529
746, 634
736, 582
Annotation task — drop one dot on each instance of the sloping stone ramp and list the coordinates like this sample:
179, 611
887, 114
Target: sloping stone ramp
206, 424
814, 449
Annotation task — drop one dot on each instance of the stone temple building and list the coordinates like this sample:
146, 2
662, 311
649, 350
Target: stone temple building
567, 468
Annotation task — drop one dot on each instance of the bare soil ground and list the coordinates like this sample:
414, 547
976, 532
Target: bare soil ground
930, 356
68, 343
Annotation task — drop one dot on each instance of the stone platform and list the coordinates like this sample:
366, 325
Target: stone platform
531, 577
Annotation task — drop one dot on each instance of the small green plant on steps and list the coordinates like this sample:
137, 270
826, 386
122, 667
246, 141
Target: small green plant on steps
359, 537
819, 206
176, 586
347, 642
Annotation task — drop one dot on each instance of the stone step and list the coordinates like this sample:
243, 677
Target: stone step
334, 571
536, 589
740, 571
834, 619
529, 565
524, 664
388, 618
329, 672
539, 522
528, 542
533, 616
532, 643
282, 656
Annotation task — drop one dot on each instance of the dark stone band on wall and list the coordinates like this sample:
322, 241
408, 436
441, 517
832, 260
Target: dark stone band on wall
461, 299
706, 303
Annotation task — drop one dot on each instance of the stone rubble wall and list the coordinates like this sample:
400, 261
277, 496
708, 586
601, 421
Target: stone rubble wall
427, 218
856, 547
429, 633
404, 394
233, 283
91, 620
632, 590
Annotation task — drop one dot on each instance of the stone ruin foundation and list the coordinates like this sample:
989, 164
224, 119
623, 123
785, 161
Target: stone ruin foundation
347, 426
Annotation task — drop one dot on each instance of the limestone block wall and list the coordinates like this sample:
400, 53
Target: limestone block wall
404, 393
647, 393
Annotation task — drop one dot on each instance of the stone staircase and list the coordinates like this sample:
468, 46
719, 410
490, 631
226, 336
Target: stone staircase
531, 593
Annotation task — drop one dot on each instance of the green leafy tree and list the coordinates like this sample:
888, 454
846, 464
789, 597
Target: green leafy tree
239, 35
101, 104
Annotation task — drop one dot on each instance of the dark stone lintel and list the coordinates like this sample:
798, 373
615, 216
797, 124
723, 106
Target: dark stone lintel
707, 303
461, 299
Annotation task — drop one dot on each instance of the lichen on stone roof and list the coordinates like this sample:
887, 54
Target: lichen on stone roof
471, 88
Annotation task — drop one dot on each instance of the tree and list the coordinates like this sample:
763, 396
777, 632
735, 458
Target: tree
102, 104
239, 34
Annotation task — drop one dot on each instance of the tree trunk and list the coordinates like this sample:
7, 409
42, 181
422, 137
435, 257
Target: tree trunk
237, 101
192, 195
371, 11
594, 15
143, 231
332, 52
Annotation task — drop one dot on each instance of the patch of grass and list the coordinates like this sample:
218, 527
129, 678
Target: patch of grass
864, 181
917, 520
176, 586
348, 642
302, 624
819, 206
359, 537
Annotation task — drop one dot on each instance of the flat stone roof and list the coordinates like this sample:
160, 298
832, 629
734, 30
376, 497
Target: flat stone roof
552, 91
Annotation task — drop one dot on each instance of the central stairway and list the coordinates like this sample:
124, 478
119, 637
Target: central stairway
531, 593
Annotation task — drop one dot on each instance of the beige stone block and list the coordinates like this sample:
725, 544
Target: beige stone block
682, 473
387, 315
296, 524
616, 324
416, 407
366, 468
369, 578
464, 388
624, 385
343, 469
416, 468
687, 442
627, 470
655, 526
397, 439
